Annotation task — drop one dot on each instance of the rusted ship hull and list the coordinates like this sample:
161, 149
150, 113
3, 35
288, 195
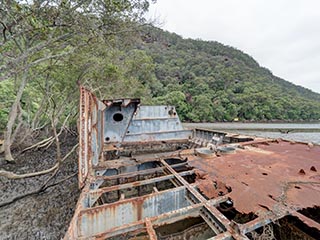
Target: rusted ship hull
144, 177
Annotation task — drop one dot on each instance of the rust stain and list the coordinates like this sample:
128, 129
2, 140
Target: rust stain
137, 205
212, 188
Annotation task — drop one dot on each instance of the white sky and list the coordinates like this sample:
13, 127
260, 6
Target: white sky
282, 35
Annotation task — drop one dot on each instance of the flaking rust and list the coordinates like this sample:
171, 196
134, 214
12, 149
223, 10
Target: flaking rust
140, 171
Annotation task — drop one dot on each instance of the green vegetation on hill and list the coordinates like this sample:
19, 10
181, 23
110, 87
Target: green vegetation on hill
209, 81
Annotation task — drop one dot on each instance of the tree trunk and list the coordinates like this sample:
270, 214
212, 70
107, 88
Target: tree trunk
12, 118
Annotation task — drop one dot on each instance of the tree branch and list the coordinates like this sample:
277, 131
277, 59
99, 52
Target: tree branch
44, 187
11, 175
49, 57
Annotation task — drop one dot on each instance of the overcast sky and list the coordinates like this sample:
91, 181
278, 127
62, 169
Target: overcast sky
282, 35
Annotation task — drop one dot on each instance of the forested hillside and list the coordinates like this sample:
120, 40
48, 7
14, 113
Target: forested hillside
48, 47
209, 81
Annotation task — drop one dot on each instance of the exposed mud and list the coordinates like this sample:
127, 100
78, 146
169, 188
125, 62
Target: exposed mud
46, 215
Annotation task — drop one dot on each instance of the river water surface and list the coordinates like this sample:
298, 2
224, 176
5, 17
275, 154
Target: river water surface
305, 132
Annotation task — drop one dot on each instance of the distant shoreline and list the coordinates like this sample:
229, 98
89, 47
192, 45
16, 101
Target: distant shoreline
302, 131
270, 121
282, 127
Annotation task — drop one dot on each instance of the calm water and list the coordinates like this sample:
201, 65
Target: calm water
306, 132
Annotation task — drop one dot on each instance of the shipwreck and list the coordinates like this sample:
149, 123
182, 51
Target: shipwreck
143, 176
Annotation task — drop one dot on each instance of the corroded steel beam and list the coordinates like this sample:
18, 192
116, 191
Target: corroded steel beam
310, 222
96, 193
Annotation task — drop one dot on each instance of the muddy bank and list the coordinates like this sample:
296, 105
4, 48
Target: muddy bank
42, 216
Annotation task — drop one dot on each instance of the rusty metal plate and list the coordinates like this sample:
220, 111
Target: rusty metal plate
265, 174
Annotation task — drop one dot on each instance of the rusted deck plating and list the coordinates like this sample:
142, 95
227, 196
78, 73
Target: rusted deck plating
140, 171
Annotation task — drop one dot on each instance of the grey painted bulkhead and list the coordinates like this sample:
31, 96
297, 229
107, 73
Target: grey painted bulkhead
119, 214
135, 123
